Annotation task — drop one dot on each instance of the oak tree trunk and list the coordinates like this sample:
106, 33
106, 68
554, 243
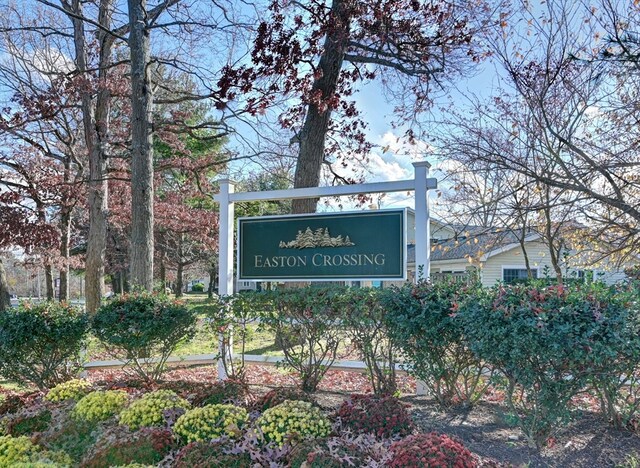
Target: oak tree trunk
141, 149
95, 119
316, 124
5, 301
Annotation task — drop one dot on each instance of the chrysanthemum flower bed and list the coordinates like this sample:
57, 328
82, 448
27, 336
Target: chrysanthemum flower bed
130, 426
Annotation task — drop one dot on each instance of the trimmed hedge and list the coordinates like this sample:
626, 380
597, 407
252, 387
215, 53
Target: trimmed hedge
423, 320
40, 344
140, 326
552, 343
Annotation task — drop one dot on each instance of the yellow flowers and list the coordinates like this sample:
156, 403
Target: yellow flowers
73, 389
293, 420
211, 422
148, 410
17, 451
100, 405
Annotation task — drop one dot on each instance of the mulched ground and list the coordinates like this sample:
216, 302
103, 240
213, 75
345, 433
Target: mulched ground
589, 442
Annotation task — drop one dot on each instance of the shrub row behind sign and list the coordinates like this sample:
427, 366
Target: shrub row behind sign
545, 344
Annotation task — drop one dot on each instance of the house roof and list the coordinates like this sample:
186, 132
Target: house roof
473, 242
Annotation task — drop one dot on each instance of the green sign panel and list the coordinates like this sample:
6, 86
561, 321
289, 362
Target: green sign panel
325, 246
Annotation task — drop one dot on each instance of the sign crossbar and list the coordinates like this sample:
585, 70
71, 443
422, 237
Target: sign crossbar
316, 192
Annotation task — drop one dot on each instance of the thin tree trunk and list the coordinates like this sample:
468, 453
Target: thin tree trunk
523, 247
163, 275
548, 234
96, 126
316, 124
179, 283
48, 282
212, 281
65, 229
141, 149
115, 283
5, 301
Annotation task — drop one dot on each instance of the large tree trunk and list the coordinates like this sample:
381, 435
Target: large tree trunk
96, 126
316, 124
141, 149
5, 301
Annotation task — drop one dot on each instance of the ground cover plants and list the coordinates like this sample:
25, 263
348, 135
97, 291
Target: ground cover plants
118, 428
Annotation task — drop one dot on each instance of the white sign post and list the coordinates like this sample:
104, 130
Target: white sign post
420, 184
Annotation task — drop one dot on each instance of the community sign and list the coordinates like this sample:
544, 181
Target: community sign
363, 245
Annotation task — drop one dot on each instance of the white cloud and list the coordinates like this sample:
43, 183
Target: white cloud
391, 160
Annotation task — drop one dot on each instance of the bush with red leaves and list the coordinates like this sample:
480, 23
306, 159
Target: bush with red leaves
279, 395
12, 403
382, 416
431, 450
204, 393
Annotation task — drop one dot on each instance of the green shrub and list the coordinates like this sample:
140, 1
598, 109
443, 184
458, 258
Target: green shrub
422, 320
293, 421
210, 422
280, 395
197, 287
40, 343
304, 323
149, 410
550, 343
145, 447
430, 451
382, 416
363, 314
141, 326
20, 450
614, 354
73, 389
217, 454
100, 405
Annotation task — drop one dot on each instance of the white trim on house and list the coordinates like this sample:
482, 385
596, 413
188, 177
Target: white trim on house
437, 263
508, 247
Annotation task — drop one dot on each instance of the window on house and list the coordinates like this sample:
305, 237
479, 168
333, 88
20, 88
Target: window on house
509, 275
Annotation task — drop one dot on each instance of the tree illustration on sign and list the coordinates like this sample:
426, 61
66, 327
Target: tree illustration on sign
318, 238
